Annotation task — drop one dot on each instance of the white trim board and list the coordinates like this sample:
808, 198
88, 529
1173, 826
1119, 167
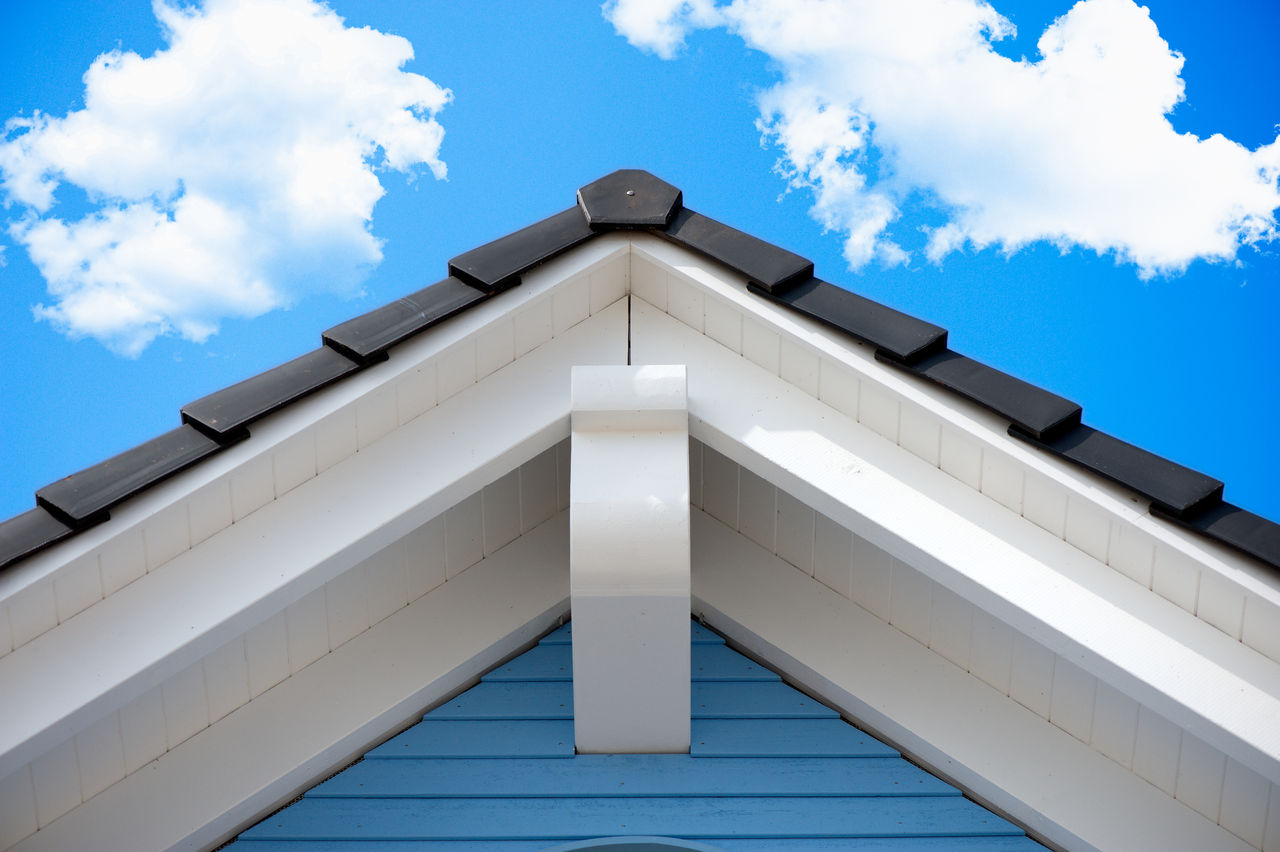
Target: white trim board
962, 729
1146, 647
263, 754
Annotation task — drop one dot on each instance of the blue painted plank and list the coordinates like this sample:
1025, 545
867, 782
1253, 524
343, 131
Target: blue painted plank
636, 775
554, 662
699, 635
572, 819
541, 662
531, 700
794, 738
815, 844
720, 662
737, 700
480, 739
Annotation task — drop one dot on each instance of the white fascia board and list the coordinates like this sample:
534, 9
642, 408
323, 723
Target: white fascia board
68, 678
270, 432
975, 421
259, 757
961, 728
1144, 646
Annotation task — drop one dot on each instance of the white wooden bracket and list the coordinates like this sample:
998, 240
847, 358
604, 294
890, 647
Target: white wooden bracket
629, 559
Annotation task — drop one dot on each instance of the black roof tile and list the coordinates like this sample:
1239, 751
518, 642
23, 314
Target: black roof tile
367, 337
1039, 417
28, 533
1177, 490
498, 265
1031, 408
225, 414
898, 335
83, 498
629, 198
764, 264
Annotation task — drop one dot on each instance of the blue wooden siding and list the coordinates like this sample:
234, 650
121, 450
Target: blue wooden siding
769, 769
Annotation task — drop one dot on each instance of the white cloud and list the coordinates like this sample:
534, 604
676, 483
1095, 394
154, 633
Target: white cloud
1074, 148
230, 173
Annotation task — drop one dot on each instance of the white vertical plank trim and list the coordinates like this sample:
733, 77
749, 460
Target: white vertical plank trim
629, 559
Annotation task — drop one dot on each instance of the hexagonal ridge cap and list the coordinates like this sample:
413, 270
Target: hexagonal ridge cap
629, 198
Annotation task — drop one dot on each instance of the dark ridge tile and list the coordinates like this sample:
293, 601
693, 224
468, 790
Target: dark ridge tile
1234, 527
629, 198
83, 498
28, 533
765, 265
367, 337
224, 414
1177, 490
900, 336
497, 266
1031, 409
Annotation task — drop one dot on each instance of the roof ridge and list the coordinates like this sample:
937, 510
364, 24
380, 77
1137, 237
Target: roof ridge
633, 199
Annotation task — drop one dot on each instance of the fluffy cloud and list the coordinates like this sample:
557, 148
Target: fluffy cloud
885, 100
228, 174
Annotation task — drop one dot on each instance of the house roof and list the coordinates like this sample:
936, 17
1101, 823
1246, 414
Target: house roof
769, 768
632, 199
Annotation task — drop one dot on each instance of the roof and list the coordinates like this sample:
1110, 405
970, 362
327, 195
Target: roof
631, 199
769, 768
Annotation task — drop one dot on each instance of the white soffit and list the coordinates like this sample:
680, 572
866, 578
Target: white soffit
1144, 646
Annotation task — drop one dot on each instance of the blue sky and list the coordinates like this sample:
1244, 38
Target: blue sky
1069, 219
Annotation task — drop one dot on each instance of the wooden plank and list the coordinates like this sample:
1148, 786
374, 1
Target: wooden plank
480, 739
554, 662
738, 700
543, 662
530, 700
635, 775
795, 738
570, 819
810, 844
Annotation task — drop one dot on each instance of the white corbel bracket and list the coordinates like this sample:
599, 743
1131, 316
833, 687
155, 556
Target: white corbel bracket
629, 559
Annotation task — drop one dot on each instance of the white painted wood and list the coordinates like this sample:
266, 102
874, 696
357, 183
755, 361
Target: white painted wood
1002, 479
1156, 750
911, 602
1132, 553
951, 632
495, 347
799, 366
336, 438
1271, 839
920, 433
570, 304
1050, 592
757, 509
209, 508
261, 756
142, 730
532, 326
1031, 675
720, 486
961, 456
942, 717
226, 678
6, 634
562, 475
838, 388
186, 705
1074, 696
1000, 752
1115, 724
252, 487
878, 411
307, 624
376, 414
17, 807
872, 578
1201, 771
78, 586
1176, 577
1087, 527
456, 368
464, 535
501, 500
1044, 503
608, 283
425, 557
1221, 603
648, 281
100, 756
387, 581
537, 490
266, 651
416, 392
1261, 626
833, 555
794, 532
56, 778
32, 613
629, 559
346, 600
123, 560
695, 473
991, 651
684, 302
291, 465
723, 324
761, 345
